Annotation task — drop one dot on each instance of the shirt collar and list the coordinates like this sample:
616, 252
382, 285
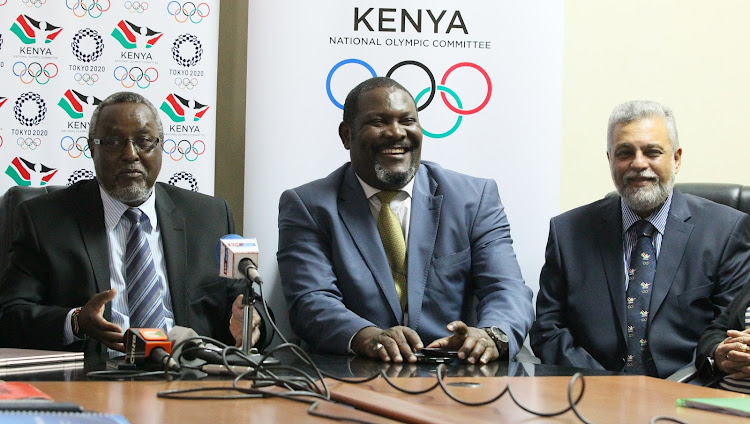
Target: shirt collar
113, 209
371, 191
658, 218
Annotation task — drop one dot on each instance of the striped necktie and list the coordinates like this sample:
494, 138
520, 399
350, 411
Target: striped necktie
144, 291
394, 244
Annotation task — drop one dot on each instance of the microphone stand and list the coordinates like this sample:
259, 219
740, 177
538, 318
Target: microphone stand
248, 304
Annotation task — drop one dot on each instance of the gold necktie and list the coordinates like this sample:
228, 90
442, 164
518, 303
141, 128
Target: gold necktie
392, 236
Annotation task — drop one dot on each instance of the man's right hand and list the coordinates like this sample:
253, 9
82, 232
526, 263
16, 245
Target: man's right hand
394, 344
91, 321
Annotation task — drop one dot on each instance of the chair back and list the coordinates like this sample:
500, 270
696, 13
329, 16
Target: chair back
733, 195
8, 224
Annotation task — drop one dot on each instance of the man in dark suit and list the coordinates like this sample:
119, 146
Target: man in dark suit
81, 271
589, 314
347, 288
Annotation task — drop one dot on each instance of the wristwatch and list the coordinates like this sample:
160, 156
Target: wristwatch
500, 339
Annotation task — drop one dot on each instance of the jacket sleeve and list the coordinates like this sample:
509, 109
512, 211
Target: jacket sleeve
504, 299
551, 339
316, 309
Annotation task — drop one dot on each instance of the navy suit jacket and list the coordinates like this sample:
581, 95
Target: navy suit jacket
60, 259
460, 260
703, 262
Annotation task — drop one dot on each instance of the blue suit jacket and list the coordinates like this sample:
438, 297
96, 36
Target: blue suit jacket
703, 262
336, 278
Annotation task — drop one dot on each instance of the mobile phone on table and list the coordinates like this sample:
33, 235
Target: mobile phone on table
431, 355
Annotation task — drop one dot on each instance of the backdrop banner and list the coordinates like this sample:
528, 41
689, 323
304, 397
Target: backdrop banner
486, 74
60, 58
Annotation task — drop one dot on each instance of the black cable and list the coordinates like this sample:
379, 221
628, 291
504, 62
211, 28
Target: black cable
300, 386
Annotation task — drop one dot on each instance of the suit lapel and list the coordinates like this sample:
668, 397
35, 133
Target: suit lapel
172, 228
424, 219
354, 210
610, 248
94, 235
676, 234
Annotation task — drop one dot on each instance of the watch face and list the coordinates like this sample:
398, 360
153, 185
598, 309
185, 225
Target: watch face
498, 333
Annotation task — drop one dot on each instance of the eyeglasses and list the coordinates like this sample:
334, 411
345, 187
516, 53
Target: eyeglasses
142, 143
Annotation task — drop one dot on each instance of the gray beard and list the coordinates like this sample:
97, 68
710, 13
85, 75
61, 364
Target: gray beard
394, 179
645, 199
133, 195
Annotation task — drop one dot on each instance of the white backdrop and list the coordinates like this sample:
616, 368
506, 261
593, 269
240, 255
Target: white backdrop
304, 57
59, 58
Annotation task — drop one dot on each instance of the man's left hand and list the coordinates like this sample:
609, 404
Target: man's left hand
235, 323
473, 344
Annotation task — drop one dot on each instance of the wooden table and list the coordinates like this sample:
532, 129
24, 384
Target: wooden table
610, 399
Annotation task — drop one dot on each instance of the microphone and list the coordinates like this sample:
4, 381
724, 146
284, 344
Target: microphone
238, 258
148, 344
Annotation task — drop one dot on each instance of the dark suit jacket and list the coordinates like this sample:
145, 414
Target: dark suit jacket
733, 318
59, 260
703, 262
336, 277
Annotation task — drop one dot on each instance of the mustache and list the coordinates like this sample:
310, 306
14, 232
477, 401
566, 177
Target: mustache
131, 169
646, 173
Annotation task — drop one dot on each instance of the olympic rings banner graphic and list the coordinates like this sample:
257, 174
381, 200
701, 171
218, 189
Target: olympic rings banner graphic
60, 58
486, 76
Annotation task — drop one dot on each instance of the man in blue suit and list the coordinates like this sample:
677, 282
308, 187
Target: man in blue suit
347, 290
590, 282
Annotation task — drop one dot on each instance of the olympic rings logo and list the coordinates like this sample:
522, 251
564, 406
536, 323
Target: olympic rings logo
1, 137
136, 6
77, 147
35, 72
189, 10
32, 3
93, 9
41, 109
185, 83
136, 75
177, 55
29, 143
3, 3
86, 79
429, 91
184, 149
98, 42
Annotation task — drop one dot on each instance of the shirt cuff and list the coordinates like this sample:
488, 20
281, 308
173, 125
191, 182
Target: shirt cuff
68, 336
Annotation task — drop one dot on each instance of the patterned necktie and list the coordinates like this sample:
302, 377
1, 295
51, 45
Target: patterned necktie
640, 285
392, 236
144, 296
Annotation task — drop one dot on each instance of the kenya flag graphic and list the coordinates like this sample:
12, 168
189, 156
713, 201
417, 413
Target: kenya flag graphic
24, 28
3, 100
20, 171
125, 33
174, 106
71, 104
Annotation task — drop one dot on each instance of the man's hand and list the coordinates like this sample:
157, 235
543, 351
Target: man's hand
732, 356
91, 321
394, 344
473, 343
235, 323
